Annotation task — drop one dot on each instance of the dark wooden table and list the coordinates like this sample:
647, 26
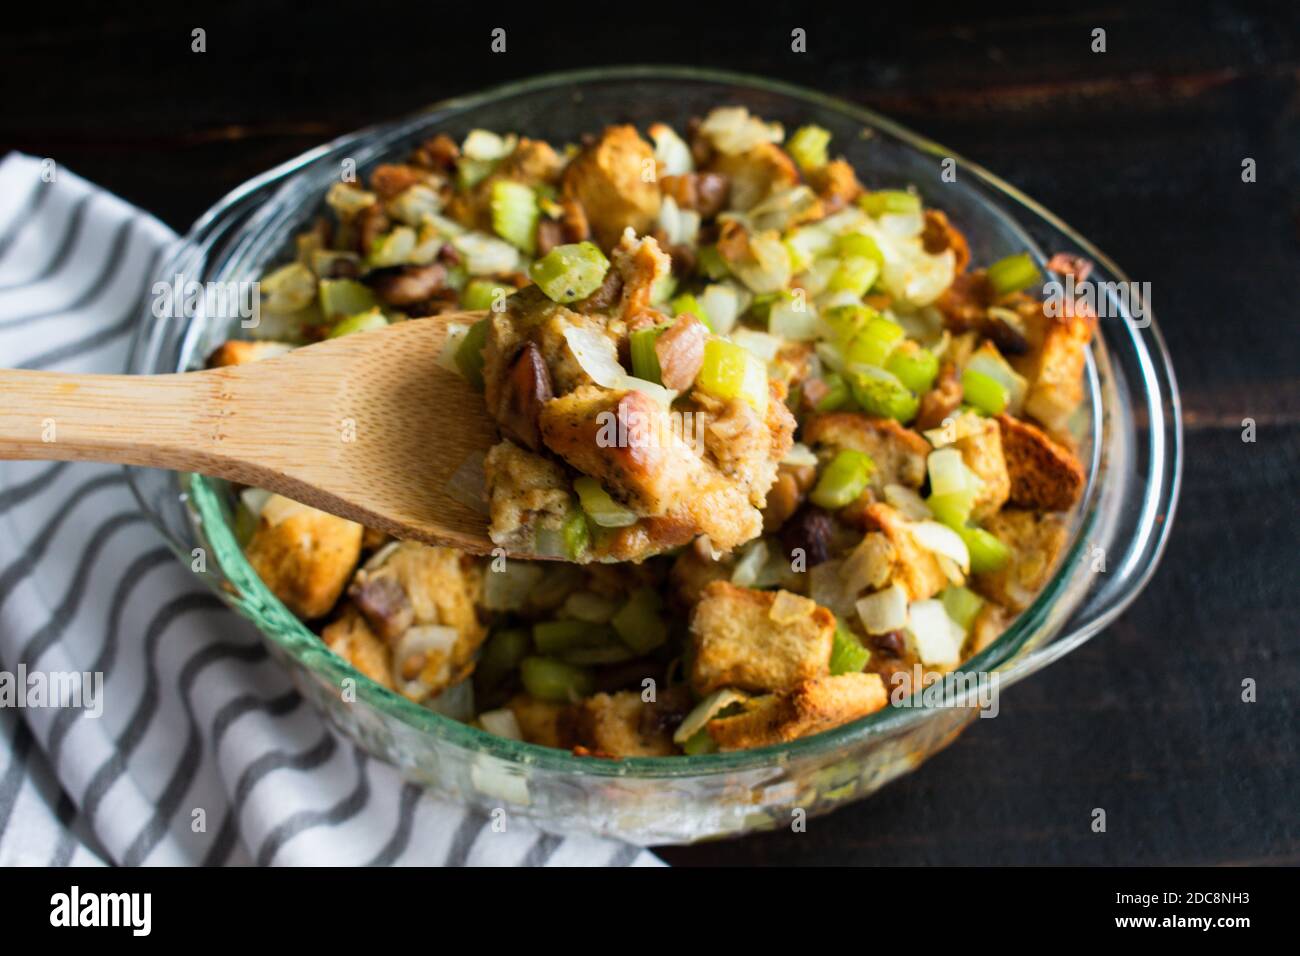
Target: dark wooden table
1139, 147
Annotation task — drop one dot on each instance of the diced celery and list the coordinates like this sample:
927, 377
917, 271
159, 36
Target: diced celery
848, 656
855, 275
344, 297
1013, 274
987, 553
515, 214
984, 392
599, 506
576, 535
555, 637
501, 654
948, 472
808, 147
860, 245
645, 361
962, 604
484, 294
689, 304
914, 366
731, 371
843, 479
700, 743
639, 623
570, 272
392, 248
889, 200
952, 509
874, 342
469, 357
548, 679
881, 394
471, 172
362, 322
837, 394
846, 321
710, 262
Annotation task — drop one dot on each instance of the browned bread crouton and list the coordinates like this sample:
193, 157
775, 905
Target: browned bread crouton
1036, 540
542, 722
987, 627
622, 725
898, 452
914, 568
522, 488
808, 708
756, 174
982, 450
351, 638
305, 556
1054, 365
737, 642
606, 180
239, 352
1044, 474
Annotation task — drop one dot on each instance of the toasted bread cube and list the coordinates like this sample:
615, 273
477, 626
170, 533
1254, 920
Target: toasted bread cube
987, 627
756, 174
352, 639
523, 489
1036, 540
898, 453
915, 569
622, 725
1043, 473
1055, 365
542, 722
737, 643
305, 556
240, 352
981, 450
810, 707
625, 440
607, 180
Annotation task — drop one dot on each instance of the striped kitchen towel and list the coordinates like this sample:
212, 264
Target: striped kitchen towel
203, 751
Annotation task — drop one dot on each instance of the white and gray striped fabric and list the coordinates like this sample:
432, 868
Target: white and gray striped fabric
203, 752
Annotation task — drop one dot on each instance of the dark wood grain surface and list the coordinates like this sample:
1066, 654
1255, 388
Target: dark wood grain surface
1139, 147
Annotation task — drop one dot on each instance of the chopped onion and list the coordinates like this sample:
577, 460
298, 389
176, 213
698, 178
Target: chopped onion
455, 335
704, 711
758, 344
501, 722
733, 131
794, 324
376, 560
598, 356
800, 455
484, 145
941, 540
419, 642
723, 302
751, 562
936, 638
910, 504
869, 565
826, 587
769, 270
277, 509
680, 226
254, 499
788, 608
965, 424
456, 702
884, 611
486, 255
783, 208
671, 151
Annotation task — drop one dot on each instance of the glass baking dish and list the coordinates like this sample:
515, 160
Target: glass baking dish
1130, 435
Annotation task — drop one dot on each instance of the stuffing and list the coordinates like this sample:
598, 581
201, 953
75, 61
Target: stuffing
531, 317
941, 401
351, 638
1043, 473
240, 351
1035, 540
1054, 365
898, 453
532, 162
642, 266
305, 556
836, 185
915, 568
606, 179
810, 707
744, 447
523, 490
737, 643
624, 725
987, 627
981, 449
694, 570
410, 595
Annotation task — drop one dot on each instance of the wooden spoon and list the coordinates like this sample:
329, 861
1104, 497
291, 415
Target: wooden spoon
367, 426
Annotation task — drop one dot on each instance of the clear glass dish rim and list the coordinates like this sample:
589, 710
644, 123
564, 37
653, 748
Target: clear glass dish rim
1155, 532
